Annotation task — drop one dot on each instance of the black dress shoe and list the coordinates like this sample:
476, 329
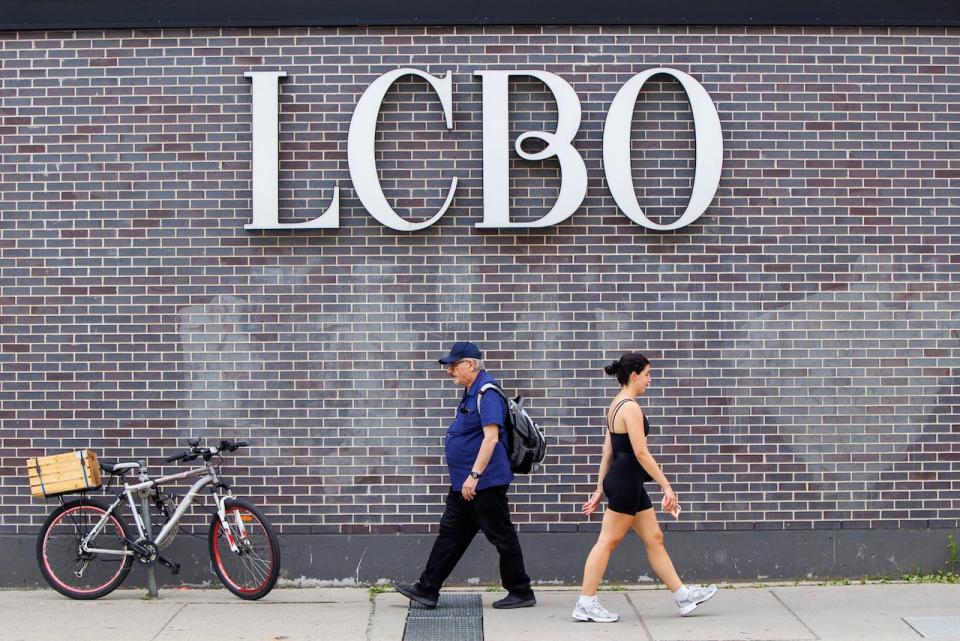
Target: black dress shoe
415, 593
512, 601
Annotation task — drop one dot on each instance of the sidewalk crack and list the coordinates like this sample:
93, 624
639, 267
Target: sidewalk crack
794, 614
643, 624
373, 616
164, 626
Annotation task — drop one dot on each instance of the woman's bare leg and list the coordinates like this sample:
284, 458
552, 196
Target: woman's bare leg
645, 524
614, 528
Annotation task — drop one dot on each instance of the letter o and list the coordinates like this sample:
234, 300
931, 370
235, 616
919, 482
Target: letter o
616, 149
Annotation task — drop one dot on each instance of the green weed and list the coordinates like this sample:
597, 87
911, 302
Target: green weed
940, 576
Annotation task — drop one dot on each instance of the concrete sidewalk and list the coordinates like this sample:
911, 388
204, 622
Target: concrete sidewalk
874, 612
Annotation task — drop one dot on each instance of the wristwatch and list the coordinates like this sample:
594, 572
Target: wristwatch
475, 475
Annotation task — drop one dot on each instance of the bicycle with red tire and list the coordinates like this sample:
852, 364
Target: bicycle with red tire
85, 550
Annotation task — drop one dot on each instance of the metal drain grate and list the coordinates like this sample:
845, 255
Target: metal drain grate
450, 605
457, 617
934, 627
443, 629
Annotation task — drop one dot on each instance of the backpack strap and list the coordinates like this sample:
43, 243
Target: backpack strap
489, 386
613, 417
506, 402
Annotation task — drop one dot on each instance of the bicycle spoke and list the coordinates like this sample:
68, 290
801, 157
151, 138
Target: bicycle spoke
260, 570
259, 563
249, 570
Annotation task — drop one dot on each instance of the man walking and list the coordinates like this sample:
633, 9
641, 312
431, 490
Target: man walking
479, 467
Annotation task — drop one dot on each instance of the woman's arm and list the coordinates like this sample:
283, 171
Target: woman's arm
594, 501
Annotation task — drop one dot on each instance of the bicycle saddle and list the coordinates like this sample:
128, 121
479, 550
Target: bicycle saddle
119, 468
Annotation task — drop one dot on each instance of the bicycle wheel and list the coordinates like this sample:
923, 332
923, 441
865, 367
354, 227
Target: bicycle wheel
252, 571
76, 574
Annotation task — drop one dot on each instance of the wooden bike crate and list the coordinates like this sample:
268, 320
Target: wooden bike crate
63, 473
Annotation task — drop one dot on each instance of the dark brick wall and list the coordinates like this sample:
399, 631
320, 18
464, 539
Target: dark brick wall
804, 331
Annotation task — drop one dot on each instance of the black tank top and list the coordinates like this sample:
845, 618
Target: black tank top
624, 458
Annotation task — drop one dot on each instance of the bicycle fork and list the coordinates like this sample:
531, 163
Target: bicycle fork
233, 541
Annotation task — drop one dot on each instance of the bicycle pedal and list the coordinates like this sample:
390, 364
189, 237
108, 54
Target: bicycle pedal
173, 567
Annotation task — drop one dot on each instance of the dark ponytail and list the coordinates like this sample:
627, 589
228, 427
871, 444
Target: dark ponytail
629, 362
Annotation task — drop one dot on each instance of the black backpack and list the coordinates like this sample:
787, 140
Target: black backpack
527, 445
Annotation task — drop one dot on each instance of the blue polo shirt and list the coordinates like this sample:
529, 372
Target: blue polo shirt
465, 435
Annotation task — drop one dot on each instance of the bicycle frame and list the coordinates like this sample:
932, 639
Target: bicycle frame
208, 475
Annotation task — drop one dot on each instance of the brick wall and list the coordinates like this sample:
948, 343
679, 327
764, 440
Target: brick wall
804, 332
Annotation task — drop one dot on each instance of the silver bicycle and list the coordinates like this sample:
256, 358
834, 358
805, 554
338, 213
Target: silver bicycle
85, 551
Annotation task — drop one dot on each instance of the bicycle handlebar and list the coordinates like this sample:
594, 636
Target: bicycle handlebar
206, 452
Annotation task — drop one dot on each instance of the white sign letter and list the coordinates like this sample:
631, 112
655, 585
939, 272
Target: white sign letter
496, 139
266, 159
616, 149
360, 147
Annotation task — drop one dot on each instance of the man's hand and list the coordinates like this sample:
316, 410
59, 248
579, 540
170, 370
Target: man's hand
469, 489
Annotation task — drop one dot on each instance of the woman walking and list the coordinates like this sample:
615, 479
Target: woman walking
625, 466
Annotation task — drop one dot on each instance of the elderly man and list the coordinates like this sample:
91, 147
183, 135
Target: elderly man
479, 477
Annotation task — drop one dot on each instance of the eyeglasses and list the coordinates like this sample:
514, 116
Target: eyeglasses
455, 363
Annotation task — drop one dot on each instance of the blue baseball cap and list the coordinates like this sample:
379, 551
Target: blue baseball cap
461, 350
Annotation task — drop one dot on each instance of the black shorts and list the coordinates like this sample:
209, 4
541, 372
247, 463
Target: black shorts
625, 494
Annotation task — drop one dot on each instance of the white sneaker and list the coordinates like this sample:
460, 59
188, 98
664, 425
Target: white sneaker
595, 612
696, 594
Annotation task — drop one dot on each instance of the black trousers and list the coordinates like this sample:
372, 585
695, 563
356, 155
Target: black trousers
489, 512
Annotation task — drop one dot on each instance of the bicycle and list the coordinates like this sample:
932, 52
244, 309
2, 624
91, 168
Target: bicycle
85, 551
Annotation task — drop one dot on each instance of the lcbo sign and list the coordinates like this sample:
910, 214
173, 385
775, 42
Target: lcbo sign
361, 156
